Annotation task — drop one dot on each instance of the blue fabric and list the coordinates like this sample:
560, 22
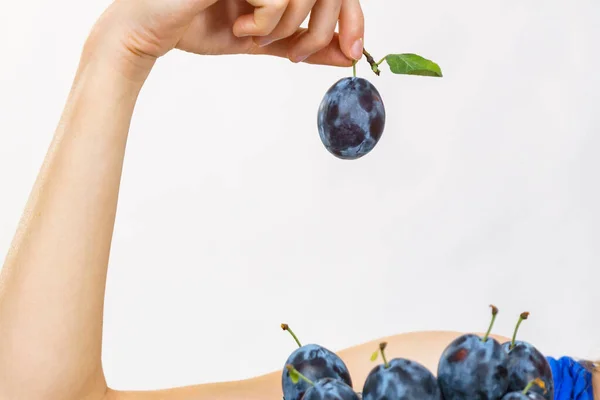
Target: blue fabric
571, 380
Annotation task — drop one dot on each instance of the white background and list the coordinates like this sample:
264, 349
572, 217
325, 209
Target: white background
233, 218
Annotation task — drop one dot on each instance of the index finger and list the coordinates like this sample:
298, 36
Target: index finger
330, 55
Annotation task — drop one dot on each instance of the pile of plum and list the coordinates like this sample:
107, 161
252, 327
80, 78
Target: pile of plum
472, 367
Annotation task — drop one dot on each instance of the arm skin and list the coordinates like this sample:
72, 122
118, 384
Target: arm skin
53, 281
423, 347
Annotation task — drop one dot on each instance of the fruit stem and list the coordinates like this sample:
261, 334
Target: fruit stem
522, 317
382, 347
536, 381
494, 314
372, 63
293, 370
286, 327
354, 68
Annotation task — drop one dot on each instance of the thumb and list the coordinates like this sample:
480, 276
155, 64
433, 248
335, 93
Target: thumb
352, 29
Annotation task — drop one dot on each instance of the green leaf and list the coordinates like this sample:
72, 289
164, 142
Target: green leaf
374, 355
294, 376
412, 64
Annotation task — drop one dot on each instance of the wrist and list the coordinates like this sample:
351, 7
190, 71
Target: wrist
101, 91
104, 74
105, 49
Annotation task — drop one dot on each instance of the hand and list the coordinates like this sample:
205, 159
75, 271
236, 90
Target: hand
144, 30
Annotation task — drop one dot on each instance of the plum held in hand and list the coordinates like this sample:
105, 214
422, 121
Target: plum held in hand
313, 362
527, 393
474, 368
526, 363
323, 389
400, 379
351, 118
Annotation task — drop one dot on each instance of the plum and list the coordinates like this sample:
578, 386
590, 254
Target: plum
526, 363
521, 396
400, 379
527, 393
474, 368
330, 389
315, 363
351, 118
322, 389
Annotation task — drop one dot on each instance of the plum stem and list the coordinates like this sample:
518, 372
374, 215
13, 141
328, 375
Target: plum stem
293, 370
382, 347
286, 327
536, 381
354, 69
522, 317
372, 63
494, 314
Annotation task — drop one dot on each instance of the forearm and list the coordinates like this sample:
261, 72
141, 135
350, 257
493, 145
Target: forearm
53, 279
267, 387
423, 347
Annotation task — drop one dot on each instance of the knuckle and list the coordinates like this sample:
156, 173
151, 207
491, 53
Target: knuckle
262, 30
322, 40
287, 31
279, 5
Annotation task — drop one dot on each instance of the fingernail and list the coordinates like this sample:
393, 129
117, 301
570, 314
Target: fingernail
263, 41
357, 49
299, 59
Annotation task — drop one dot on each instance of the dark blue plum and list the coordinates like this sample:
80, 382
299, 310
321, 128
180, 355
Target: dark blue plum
474, 369
351, 118
330, 389
401, 380
315, 363
526, 363
521, 396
